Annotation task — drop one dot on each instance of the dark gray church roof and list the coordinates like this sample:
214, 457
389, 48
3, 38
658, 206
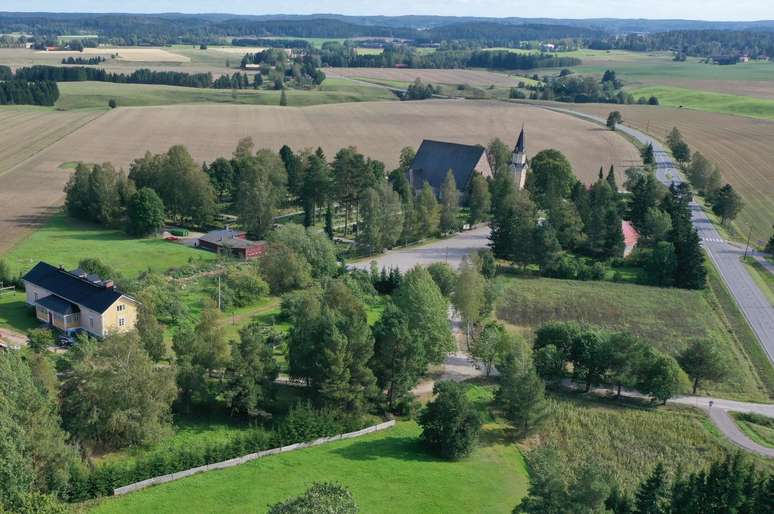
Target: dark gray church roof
435, 158
520, 142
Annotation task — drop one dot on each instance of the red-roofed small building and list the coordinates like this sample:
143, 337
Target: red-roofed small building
631, 236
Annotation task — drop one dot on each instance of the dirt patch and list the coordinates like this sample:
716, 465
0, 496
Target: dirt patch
128, 54
472, 77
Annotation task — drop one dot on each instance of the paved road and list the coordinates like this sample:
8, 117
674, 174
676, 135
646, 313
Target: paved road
451, 250
726, 256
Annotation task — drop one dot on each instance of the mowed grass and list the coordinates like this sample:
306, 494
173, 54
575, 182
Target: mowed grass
65, 241
625, 440
15, 313
708, 101
668, 318
387, 472
96, 95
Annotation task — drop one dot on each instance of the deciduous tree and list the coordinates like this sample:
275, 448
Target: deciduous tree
450, 423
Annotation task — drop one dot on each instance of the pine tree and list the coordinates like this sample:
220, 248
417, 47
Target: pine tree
283, 98
611, 178
691, 272
653, 495
522, 397
329, 222
450, 204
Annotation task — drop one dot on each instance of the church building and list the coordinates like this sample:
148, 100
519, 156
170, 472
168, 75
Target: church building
434, 159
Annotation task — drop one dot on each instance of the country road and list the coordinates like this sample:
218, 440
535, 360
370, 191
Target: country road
726, 256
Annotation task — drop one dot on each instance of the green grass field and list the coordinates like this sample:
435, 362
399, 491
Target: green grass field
762, 277
65, 241
758, 428
760, 108
626, 440
387, 472
15, 313
95, 95
667, 318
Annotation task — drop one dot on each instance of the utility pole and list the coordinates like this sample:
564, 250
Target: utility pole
747, 246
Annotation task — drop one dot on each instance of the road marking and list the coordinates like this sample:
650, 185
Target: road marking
713, 240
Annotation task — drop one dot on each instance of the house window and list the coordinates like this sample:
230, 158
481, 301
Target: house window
91, 322
121, 307
121, 322
36, 296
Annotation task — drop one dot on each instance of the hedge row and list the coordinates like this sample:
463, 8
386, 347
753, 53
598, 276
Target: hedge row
303, 423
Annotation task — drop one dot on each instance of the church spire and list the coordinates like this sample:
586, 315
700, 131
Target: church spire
520, 141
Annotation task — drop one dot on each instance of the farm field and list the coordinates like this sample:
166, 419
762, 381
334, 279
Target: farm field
126, 54
435, 76
65, 241
741, 147
378, 129
671, 96
27, 192
95, 95
667, 318
386, 472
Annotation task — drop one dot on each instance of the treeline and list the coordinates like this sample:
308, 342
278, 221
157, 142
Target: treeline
89, 61
22, 92
705, 177
699, 43
732, 485
140, 76
345, 54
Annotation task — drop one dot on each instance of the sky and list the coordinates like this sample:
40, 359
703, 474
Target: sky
717, 10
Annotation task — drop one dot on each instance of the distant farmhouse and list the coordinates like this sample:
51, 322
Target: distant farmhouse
434, 159
71, 301
233, 243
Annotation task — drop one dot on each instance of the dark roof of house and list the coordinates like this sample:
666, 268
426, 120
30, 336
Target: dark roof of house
435, 158
218, 236
56, 304
72, 288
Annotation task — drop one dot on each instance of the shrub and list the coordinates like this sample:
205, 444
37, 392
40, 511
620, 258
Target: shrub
450, 423
321, 498
112, 103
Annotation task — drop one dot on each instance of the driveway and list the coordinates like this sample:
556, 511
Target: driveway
451, 250
726, 256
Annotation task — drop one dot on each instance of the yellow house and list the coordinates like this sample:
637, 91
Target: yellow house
74, 300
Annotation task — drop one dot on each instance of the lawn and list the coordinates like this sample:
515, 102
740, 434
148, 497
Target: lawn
758, 428
669, 96
387, 472
95, 95
65, 241
667, 318
15, 313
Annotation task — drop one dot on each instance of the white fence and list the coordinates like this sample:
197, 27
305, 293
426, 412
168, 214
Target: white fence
247, 458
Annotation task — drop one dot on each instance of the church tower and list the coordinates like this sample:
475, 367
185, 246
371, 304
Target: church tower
518, 165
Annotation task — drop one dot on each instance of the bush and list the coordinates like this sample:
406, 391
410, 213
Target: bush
450, 423
321, 498
112, 103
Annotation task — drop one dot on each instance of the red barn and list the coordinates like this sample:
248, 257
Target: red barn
231, 242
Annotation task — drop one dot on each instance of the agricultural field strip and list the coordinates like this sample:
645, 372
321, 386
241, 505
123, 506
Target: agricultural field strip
751, 300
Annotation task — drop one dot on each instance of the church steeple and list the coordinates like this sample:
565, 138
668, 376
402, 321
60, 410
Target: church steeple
518, 165
520, 142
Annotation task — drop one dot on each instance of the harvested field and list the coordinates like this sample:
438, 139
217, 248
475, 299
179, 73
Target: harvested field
127, 54
741, 147
378, 129
472, 77
25, 192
